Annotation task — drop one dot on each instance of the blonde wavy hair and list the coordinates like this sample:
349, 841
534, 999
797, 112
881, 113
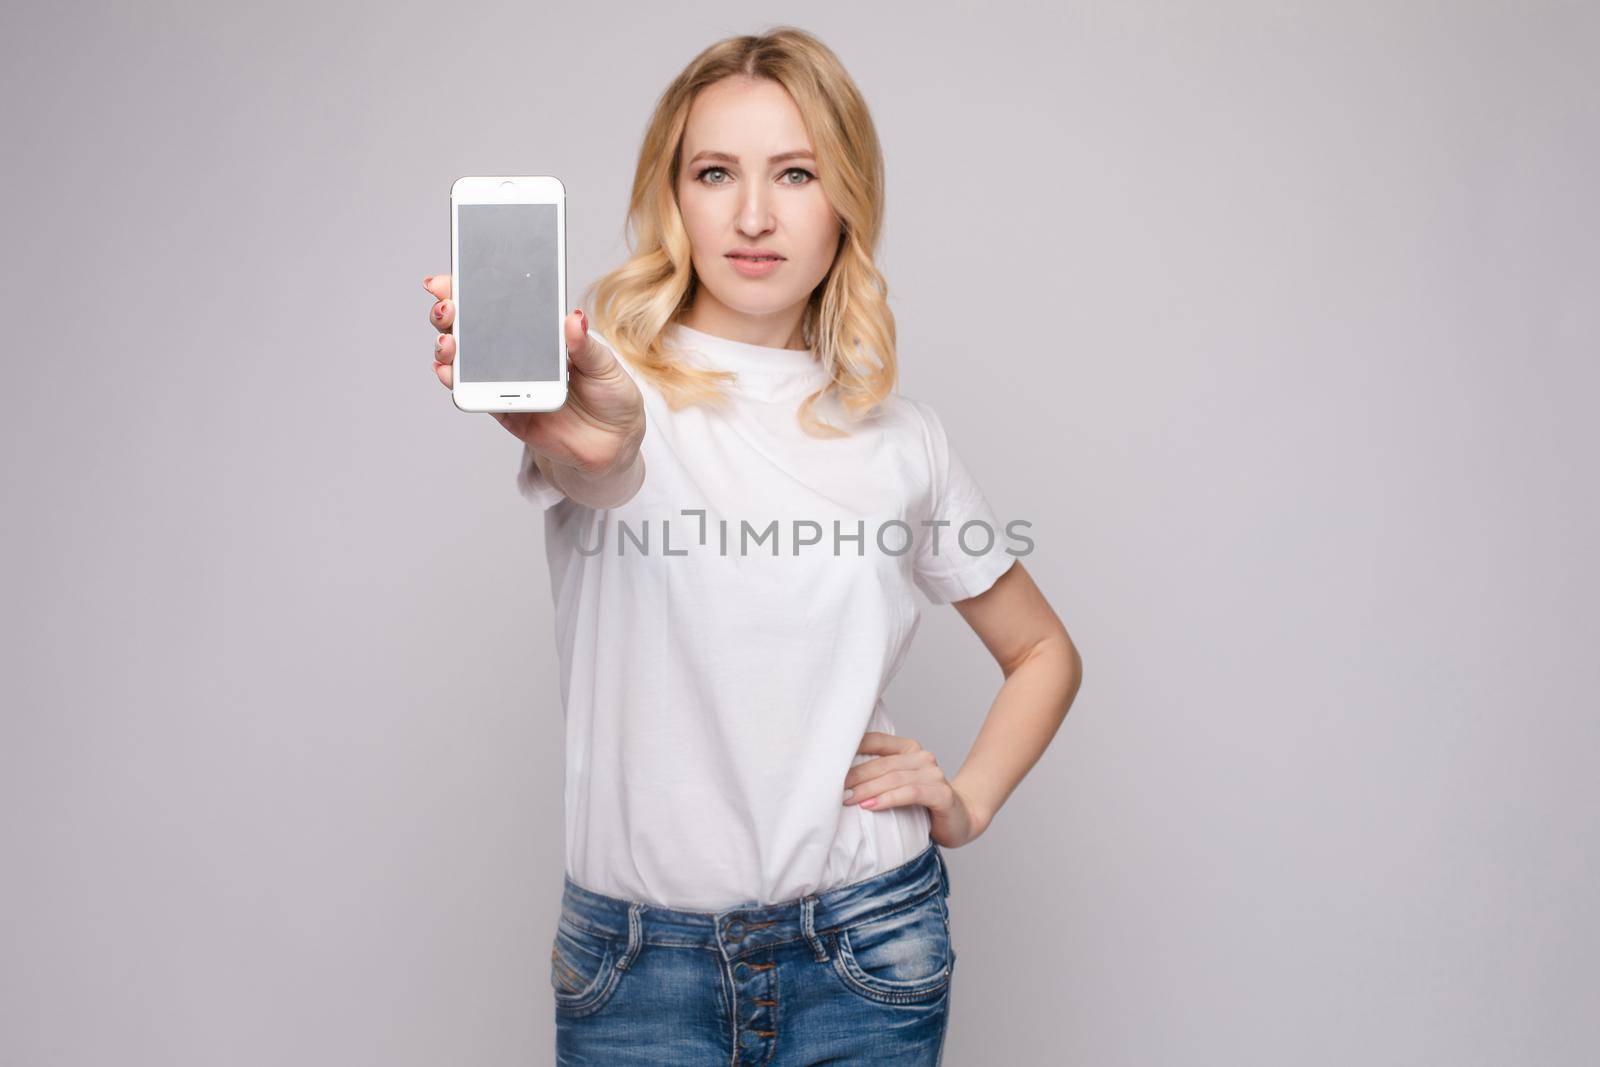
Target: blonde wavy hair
847, 321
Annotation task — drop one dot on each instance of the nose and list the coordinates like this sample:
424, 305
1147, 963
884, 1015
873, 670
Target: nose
755, 210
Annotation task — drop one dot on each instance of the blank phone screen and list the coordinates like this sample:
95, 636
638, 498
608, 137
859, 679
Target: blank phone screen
507, 296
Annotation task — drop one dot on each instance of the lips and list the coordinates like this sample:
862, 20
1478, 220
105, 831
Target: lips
754, 263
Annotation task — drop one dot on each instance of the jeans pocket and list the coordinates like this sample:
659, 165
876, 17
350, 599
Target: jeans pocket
901, 958
583, 967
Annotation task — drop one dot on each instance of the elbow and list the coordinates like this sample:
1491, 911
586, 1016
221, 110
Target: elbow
1054, 649
1070, 660
1066, 665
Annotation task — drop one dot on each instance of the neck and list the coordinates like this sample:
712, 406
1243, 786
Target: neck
780, 329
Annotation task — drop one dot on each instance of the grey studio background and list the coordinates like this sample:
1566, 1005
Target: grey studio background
1276, 320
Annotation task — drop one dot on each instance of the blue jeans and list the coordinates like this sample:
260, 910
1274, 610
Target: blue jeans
856, 974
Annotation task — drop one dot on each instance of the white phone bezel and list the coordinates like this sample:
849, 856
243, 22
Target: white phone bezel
526, 189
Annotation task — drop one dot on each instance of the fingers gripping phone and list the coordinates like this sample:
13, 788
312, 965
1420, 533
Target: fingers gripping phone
508, 259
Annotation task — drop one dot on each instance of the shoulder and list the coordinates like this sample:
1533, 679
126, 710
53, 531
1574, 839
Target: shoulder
901, 415
902, 424
908, 430
916, 421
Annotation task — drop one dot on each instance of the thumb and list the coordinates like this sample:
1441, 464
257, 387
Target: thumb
589, 357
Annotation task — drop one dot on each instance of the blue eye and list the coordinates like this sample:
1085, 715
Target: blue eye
701, 176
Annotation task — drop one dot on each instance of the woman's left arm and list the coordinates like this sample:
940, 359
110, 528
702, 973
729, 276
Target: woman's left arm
1042, 671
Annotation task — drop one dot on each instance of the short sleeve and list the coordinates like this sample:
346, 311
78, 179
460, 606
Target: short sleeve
961, 550
533, 484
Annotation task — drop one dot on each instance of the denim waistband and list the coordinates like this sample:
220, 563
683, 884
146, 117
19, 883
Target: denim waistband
739, 931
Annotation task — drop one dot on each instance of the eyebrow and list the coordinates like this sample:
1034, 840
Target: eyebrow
727, 157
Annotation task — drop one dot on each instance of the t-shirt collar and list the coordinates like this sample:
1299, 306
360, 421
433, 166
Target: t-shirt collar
762, 371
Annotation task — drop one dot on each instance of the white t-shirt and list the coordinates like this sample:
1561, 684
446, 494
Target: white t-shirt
715, 693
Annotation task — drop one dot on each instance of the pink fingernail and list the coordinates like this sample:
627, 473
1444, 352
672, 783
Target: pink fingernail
869, 802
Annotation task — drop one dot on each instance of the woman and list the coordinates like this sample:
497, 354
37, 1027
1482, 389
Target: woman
754, 872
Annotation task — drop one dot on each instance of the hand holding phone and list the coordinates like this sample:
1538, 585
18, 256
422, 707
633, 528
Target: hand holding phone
600, 426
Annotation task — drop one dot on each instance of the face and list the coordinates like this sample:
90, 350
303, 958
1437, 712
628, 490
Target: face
739, 188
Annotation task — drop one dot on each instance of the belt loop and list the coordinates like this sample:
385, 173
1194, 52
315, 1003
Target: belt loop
944, 869
635, 934
808, 911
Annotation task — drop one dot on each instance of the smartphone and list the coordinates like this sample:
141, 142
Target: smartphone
508, 258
